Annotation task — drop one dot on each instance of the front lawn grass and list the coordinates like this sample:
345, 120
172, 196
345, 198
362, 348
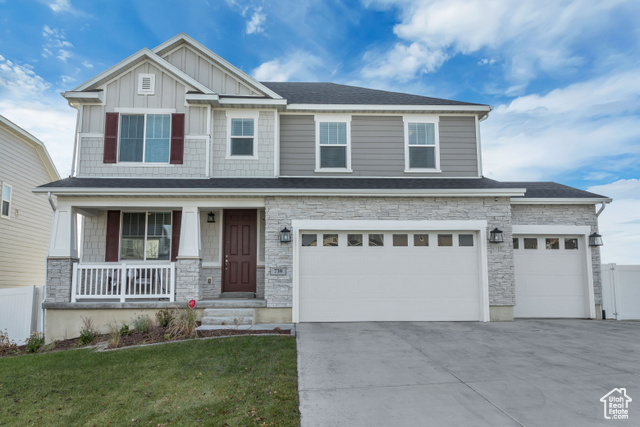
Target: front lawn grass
232, 381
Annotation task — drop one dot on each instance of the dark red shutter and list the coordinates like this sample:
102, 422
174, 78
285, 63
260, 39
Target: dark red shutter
111, 138
113, 236
177, 138
175, 234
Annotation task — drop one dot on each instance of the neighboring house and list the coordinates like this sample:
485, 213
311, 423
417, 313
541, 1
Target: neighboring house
188, 173
25, 218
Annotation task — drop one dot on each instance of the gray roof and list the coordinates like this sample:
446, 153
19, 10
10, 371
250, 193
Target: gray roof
550, 190
332, 93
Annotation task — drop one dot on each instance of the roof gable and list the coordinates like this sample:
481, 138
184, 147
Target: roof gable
170, 46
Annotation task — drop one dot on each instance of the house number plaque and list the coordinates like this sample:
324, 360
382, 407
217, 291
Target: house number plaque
278, 271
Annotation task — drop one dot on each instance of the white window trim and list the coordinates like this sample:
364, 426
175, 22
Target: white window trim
2, 199
145, 113
152, 89
415, 118
243, 114
340, 118
146, 223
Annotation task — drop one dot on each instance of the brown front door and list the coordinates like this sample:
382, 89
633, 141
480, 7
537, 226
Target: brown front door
240, 247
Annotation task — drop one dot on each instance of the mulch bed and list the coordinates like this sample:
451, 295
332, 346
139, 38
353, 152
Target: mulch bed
157, 334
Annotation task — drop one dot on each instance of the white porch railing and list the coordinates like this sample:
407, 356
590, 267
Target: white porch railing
123, 281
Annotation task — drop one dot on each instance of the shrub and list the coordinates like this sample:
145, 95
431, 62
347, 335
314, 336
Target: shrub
6, 345
34, 342
124, 330
183, 323
114, 335
142, 324
164, 317
88, 332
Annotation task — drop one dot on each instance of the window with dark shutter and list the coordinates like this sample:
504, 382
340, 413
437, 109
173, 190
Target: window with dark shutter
113, 236
110, 138
175, 234
177, 138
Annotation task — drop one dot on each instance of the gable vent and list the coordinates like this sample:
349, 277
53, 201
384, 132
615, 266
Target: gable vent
146, 84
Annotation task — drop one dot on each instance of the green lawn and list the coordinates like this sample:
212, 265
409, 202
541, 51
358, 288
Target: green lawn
231, 381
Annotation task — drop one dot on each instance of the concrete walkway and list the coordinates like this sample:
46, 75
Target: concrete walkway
527, 372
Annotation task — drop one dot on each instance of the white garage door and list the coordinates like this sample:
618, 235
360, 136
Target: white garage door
550, 276
350, 276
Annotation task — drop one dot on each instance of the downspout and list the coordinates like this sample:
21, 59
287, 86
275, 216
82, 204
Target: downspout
53, 205
601, 209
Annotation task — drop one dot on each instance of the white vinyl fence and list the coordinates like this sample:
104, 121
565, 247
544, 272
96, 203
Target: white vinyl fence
621, 291
20, 312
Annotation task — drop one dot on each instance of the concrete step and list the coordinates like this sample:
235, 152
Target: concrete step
227, 321
228, 312
238, 295
233, 303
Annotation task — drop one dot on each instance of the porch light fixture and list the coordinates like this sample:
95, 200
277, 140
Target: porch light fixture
211, 217
495, 236
595, 239
285, 235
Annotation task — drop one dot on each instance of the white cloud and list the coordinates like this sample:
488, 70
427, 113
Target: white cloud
403, 62
61, 6
63, 55
584, 124
256, 24
87, 64
299, 65
531, 35
56, 39
619, 223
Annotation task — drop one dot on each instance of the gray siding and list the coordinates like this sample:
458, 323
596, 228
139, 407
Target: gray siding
377, 146
25, 234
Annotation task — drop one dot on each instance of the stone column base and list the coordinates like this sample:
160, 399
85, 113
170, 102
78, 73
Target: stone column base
501, 313
59, 277
188, 283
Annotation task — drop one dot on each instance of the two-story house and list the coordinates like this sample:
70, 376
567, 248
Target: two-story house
300, 202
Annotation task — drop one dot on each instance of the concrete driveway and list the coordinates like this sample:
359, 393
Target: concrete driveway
527, 372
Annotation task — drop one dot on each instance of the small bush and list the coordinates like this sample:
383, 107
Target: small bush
114, 335
35, 342
88, 332
6, 345
164, 317
183, 324
142, 324
124, 330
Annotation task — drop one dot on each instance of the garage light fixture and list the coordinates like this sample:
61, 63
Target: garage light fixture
595, 239
285, 235
495, 236
211, 217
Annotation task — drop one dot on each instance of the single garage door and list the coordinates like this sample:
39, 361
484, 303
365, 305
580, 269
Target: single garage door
351, 276
550, 276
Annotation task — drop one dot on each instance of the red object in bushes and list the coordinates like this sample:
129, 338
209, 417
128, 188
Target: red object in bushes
192, 303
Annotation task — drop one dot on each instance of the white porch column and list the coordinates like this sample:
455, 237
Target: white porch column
189, 263
63, 243
190, 233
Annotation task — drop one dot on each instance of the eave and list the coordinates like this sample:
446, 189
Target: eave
560, 201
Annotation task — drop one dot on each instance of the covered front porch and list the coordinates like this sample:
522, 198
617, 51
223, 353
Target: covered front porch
124, 250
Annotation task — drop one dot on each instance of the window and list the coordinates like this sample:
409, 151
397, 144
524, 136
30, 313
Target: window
420, 240
445, 240
146, 236
354, 239
516, 243
465, 239
145, 138
552, 243
571, 244
6, 200
242, 135
421, 144
376, 239
329, 240
400, 240
309, 240
530, 243
333, 142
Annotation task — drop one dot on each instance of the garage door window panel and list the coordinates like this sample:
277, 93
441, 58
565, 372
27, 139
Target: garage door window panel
309, 240
445, 239
354, 239
530, 243
420, 240
400, 240
571, 244
516, 243
330, 240
552, 243
376, 239
465, 240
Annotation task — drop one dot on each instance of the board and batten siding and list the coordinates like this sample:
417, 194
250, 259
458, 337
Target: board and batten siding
25, 235
377, 146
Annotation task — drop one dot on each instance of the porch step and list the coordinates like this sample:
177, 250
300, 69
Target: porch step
227, 316
233, 303
238, 295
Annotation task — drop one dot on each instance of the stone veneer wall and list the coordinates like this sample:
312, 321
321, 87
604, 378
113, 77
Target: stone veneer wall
280, 211
262, 166
564, 215
211, 291
91, 162
59, 276
188, 284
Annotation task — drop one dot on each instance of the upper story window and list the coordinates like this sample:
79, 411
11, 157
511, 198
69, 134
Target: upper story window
6, 200
145, 138
333, 143
242, 134
422, 147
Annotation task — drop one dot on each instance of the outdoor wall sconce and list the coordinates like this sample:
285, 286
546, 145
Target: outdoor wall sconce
495, 236
285, 235
595, 239
211, 217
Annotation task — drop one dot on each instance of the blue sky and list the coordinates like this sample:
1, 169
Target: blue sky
563, 76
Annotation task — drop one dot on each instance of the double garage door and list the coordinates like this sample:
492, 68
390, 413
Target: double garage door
550, 276
383, 275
